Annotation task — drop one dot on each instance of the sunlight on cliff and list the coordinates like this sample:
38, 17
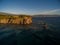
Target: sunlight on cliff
16, 19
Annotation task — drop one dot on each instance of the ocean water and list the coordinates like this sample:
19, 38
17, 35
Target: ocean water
33, 34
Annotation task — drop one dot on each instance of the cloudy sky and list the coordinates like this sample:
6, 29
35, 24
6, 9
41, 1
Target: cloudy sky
30, 6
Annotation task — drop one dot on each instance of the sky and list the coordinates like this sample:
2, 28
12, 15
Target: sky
30, 7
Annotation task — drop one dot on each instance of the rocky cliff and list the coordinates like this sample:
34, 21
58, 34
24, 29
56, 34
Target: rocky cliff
15, 19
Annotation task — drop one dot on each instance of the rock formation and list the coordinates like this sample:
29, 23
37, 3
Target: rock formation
15, 19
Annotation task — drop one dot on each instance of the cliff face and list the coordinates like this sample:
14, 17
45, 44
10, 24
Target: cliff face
16, 19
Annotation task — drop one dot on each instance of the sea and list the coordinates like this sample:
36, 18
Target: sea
32, 34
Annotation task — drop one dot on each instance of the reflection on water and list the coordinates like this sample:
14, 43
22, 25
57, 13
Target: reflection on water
33, 34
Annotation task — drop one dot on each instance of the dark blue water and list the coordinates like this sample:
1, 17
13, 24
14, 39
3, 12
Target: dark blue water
32, 34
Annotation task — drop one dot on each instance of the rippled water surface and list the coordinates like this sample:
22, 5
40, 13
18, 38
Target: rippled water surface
33, 34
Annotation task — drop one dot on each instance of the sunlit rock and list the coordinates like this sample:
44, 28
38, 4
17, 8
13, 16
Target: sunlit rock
16, 19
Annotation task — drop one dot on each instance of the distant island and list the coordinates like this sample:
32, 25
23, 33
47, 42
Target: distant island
46, 15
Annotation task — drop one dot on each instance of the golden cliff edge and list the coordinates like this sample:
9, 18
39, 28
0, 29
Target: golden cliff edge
15, 19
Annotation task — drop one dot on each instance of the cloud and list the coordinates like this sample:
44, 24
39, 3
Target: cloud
55, 11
